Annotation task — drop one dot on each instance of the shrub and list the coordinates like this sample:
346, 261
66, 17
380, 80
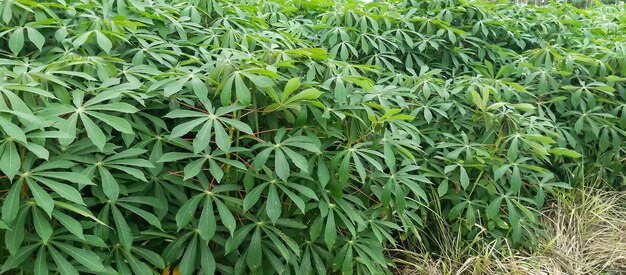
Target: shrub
296, 136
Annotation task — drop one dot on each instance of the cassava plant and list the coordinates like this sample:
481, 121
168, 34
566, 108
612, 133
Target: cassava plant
295, 136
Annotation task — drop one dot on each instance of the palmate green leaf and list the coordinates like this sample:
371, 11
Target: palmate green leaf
174, 87
93, 132
11, 204
290, 87
81, 39
274, 261
38, 150
308, 94
15, 236
207, 224
122, 260
62, 264
186, 212
86, 258
241, 91
42, 225
253, 196
117, 123
273, 206
136, 265
110, 187
330, 232
493, 208
443, 188
78, 210
214, 122
9, 159
221, 137
63, 190
16, 41
41, 264
516, 180
281, 151
254, 254
147, 216
188, 262
175, 249
182, 129
210, 159
226, 217
203, 138
323, 174
43, 175
42, 198
208, 265
512, 154
354, 155
299, 202
261, 78
150, 256
17, 258
238, 125
281, 165
237, 238
565, 152
69, 127
36, 37
464, 178
114, 106
500, 171
124, 233
69, 223
103, 42
91, 108
316, 228
285, 101
12, 130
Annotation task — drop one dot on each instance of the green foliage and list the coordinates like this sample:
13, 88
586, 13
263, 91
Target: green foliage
297, 137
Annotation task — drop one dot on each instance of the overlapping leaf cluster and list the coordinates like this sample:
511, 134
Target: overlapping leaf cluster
297, 137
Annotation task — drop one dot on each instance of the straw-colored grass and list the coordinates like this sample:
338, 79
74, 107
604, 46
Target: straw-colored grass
586, 235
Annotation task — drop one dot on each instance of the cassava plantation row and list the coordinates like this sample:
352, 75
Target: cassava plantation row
296, 136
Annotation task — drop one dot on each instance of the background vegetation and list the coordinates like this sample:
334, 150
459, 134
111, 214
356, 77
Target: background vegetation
296, 137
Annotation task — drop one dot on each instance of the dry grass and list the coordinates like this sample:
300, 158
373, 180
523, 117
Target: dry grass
586, 235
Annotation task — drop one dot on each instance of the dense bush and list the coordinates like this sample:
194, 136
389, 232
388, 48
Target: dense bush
296, 137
